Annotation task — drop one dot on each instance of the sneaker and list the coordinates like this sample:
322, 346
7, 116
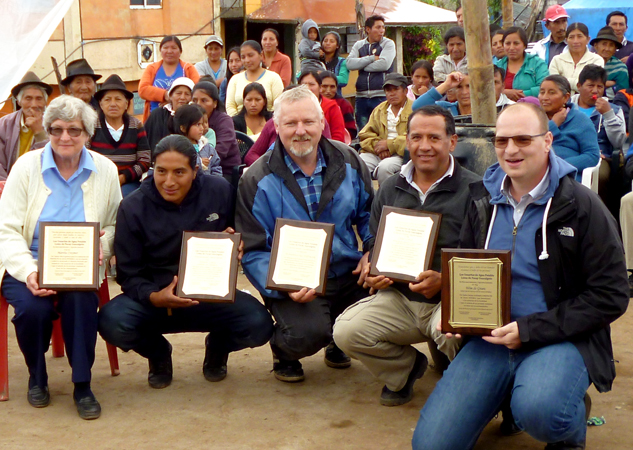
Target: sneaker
161, 371
335, 358
404, 395
214, 366
288, 371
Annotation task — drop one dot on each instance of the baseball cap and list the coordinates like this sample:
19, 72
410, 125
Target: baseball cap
214, 38
554, 13
395, 79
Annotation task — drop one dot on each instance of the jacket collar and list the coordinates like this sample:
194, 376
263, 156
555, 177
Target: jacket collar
448, 184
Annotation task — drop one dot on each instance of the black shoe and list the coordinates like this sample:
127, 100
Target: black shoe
214, 366
508, 426
88, 407
631, 284
288, 371
335, 358
161, 371
39, 397
404, 395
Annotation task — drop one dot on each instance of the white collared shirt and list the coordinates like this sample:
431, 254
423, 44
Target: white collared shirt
392, 122
529, 198
408, 169
116, 134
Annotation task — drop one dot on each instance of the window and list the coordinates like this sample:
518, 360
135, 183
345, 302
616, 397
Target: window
142, 4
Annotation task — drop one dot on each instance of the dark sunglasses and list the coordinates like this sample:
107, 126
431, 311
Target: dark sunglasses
522, 140
72, 132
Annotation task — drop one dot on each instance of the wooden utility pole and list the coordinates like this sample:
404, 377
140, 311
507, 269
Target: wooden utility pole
479, 53
508, 14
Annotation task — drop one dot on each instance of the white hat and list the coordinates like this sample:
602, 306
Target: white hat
182, 81
214, 38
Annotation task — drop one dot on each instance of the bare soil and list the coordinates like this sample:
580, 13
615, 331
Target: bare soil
250, 409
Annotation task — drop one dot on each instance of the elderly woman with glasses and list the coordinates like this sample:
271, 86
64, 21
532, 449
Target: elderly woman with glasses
63, 182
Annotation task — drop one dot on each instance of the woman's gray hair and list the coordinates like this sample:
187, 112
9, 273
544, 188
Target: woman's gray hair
294, 95
31, 86
68, 108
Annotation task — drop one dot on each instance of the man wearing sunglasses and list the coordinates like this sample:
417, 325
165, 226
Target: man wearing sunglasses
568, 284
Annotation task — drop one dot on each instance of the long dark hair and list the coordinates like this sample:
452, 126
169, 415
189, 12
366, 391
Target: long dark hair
177, 143
187, 116
254, 86
230, 74
255, 46
211, 90
331, 66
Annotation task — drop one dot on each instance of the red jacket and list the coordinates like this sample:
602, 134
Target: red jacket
334, 118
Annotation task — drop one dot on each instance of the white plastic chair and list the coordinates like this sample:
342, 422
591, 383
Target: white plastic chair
590, 177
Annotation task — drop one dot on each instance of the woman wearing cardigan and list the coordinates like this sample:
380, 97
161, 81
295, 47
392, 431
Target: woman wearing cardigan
158, 77
63, 182
120, 137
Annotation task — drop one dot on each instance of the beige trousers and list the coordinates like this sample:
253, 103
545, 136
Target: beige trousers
379, 331
626, 223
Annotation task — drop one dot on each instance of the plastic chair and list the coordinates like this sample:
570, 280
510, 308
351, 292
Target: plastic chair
57, 342
244, 142
590, 177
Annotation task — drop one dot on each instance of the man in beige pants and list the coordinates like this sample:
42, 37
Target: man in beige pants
380, 329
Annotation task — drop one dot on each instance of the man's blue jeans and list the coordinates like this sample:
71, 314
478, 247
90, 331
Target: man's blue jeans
548, 386
364, 107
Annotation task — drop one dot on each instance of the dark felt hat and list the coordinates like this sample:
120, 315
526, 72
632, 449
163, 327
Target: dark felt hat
607, 34
395, 79
113, 83
30, 78
76, 68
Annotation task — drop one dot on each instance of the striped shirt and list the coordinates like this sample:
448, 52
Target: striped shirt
310, 185
618, 72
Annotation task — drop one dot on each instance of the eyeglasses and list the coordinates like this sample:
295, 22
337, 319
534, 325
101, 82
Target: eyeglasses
72, 132
522, 140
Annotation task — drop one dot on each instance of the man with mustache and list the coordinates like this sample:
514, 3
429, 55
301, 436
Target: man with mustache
310, 178
23, 130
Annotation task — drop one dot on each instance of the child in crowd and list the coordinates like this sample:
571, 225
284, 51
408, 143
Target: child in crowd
310, 47
421, 78
189, 121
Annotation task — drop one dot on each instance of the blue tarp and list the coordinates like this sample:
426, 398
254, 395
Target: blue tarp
593, 13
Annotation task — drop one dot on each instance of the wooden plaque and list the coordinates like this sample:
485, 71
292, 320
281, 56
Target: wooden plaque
476, 290
68, 256
300, 255
405, 243
208, 266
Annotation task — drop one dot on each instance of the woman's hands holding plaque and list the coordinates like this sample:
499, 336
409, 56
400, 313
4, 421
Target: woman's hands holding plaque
507, 335
33, 285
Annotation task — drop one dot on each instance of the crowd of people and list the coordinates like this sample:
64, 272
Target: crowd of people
563, 107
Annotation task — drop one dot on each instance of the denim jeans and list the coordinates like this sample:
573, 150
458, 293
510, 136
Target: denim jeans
128, 188
364, 107
548, 386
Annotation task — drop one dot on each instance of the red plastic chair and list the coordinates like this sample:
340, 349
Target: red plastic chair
57, 342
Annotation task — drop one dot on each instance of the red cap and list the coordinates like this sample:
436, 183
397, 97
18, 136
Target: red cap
554, 13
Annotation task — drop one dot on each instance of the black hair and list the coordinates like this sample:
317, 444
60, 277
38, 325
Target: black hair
176, 143
338, 41
230, 74
499, 70
252, 44
494, 28
617, 13
458, 7
187, 116
577, 26
434, 110
255, 86
314, 73
371, 20
592, 72
423, 64
454, 32
273, 31
326, 74
208, 78
516, 30
560, 81
167, 39
209, 88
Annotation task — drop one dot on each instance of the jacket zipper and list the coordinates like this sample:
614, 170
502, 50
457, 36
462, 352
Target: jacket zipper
514, 240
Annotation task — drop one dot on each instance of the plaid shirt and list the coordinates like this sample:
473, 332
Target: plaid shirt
310, 185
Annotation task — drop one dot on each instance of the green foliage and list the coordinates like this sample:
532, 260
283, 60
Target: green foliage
420, 43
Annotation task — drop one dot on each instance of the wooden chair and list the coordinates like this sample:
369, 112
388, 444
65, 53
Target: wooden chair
57, 342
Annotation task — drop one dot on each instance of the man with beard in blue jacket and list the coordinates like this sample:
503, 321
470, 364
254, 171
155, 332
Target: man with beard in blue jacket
310, 178
568, 284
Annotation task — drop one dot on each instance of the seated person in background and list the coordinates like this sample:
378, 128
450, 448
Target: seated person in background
606, 44
383, 139
189, 122
147, 241
555, 21
310, 51
120, 137
568, 285
329, 89
421, 78
459, 81
331, 111
496, 42
64, 182
620, 23
254, 115
23, 130
81, 82
456, 60
306, 178
575, 138
500, 96
379, 330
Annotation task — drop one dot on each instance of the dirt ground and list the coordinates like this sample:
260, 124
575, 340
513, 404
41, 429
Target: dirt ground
250, 409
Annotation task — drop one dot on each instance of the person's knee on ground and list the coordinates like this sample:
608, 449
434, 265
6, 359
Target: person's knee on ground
295, 343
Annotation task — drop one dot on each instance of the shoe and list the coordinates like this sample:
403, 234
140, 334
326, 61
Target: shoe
508, 426
88, 407
335, 358
631, 284
161, 371
214, 366
404, 395
288, 371
39, 397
